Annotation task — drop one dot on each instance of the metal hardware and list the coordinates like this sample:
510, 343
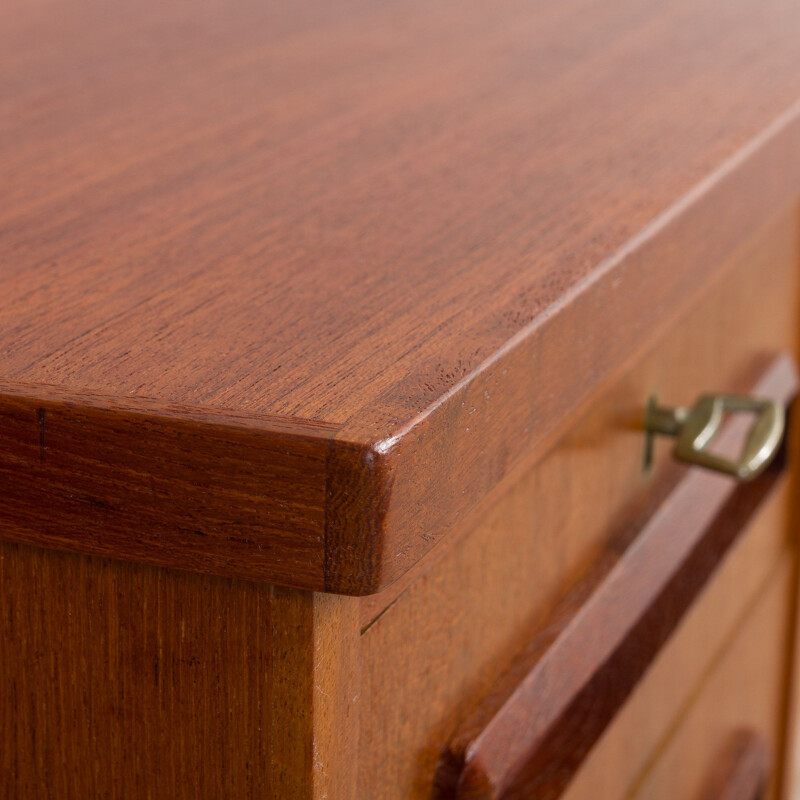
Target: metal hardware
694, 429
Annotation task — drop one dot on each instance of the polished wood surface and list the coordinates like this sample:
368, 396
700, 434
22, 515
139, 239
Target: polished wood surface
529, 736
125, 681
448, 634
366, 234
745, 689
116, 482
620, 760
314, 690
343, 697
120, 680
721, 340
354, 298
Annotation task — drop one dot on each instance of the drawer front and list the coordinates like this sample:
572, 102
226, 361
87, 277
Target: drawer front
530, 735
438, 642
728, 743
758, 567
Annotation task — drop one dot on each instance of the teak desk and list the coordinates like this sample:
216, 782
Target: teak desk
327, 335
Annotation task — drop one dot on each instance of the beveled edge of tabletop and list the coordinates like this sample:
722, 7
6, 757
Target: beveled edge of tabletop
350, 509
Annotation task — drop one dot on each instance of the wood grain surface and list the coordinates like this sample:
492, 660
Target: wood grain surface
625, 755
447, 635
418, 233
124, 681
529, 736
120, 680
745, 689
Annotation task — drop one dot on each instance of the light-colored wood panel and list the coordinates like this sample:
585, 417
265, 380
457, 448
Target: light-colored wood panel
622, 754
315, 695
534, 730
336, 681
445, 637
791, 768
745, 690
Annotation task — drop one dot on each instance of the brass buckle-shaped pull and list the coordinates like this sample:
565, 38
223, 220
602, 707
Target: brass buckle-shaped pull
694, 429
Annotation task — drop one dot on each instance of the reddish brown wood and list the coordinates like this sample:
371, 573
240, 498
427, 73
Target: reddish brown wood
528, 737
118, 680
744, 690
162, 488
387, 228
743, 772
447, 635
128, 682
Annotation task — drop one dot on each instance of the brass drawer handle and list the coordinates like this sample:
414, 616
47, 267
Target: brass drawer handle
694, 429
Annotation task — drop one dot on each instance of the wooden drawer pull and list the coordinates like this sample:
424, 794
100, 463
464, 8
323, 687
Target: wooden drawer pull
528, 737
743, 772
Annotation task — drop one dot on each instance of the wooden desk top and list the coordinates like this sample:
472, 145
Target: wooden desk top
287, 288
